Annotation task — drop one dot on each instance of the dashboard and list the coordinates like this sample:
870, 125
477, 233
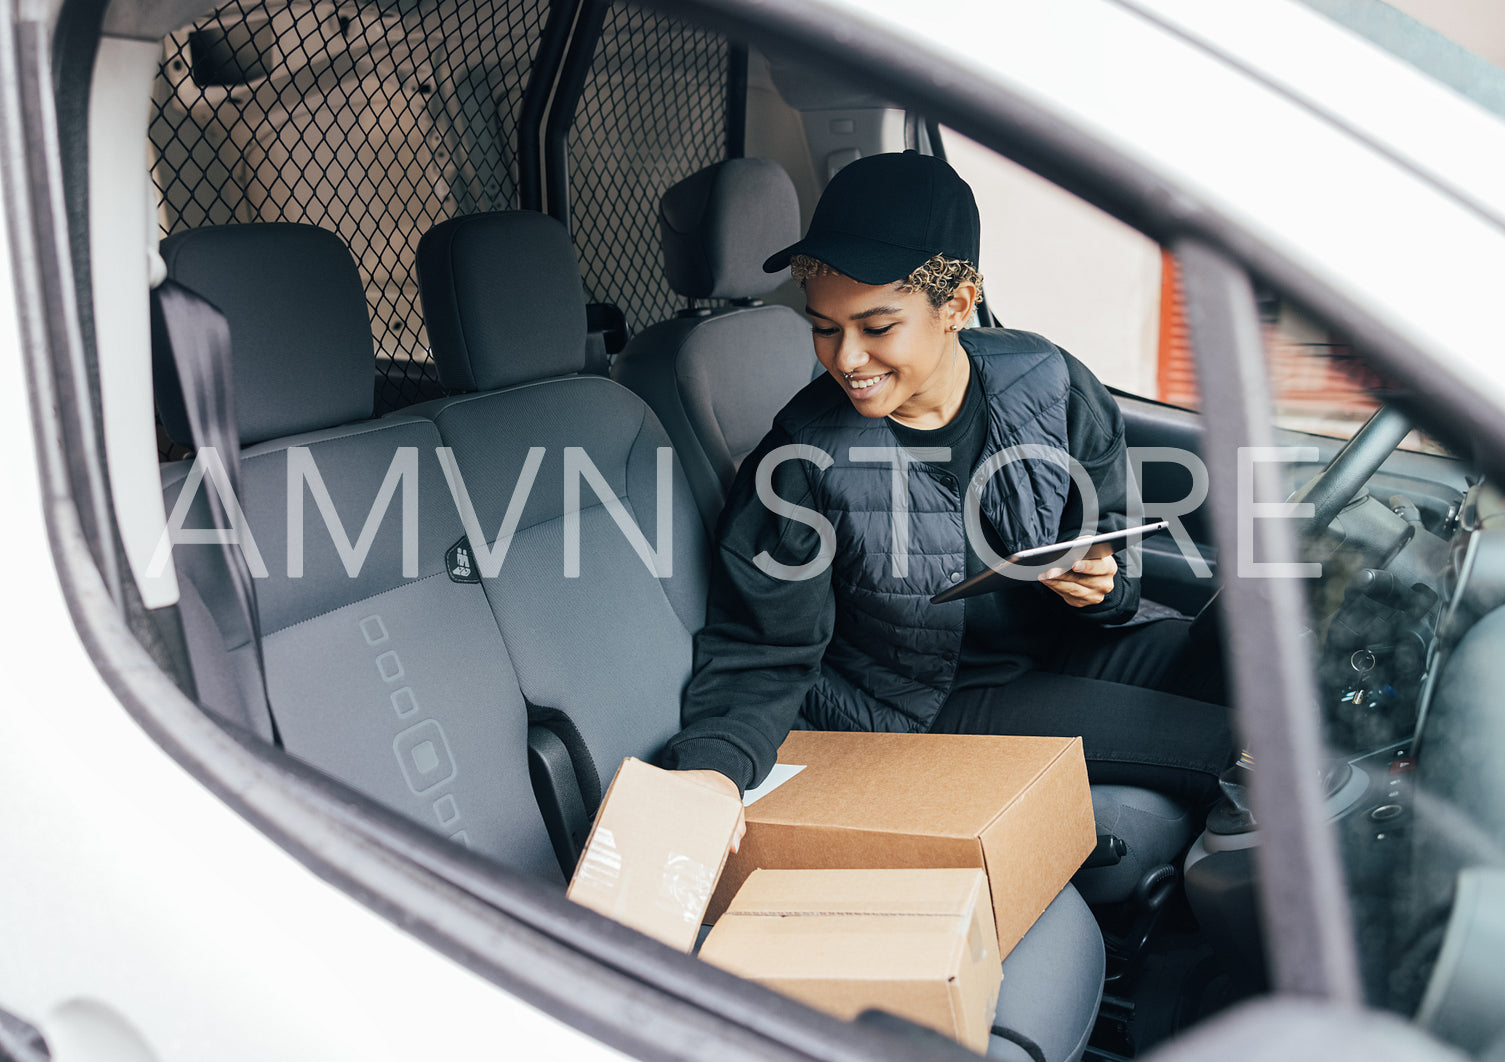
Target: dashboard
1407, 633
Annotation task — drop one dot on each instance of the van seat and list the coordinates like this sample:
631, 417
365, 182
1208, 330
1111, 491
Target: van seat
396, 682
715, 378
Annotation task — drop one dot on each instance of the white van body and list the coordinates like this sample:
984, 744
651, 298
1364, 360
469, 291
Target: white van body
143, 918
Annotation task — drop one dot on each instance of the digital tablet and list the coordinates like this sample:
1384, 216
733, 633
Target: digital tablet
1039, 558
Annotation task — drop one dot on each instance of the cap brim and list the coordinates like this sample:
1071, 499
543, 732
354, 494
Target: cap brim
864, 260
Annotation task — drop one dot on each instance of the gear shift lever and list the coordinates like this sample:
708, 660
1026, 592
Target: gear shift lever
1233, 814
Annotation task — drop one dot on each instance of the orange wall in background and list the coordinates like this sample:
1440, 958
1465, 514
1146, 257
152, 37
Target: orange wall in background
1175, 374
1312, 379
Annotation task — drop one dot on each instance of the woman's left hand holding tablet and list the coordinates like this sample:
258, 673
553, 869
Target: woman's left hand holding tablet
1088, 581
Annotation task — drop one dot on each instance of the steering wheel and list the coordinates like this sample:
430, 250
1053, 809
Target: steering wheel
1345, 475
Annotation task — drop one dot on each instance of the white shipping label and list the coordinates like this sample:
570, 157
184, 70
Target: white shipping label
780, 774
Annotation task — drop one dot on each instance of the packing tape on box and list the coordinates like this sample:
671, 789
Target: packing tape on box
685, 887
978, 944
601, 864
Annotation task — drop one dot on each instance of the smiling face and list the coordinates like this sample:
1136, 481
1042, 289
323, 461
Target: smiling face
893, 353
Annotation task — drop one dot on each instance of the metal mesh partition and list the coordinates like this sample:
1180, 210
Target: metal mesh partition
653, 111
372, 120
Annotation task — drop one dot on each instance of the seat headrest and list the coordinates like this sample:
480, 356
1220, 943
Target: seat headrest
502, 300
300, 334
718, 226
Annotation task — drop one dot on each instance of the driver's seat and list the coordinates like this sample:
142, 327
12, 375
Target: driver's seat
716, 228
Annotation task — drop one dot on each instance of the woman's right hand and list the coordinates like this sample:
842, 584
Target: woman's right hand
722, 784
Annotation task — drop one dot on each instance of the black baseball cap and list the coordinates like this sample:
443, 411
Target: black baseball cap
882, 217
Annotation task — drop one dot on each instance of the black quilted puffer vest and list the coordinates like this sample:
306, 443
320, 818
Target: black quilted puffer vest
893, 655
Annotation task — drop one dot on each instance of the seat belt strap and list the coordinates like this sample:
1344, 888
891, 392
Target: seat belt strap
191, 339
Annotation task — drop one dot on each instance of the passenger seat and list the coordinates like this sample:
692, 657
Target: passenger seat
717, 377
608, 647
396, 682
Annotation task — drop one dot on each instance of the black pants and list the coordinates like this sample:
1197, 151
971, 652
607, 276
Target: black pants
1140, 697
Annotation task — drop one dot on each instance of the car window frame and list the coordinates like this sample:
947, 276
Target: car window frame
517, 931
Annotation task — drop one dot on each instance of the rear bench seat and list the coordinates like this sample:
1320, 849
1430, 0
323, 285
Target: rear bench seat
611, 649
401, 687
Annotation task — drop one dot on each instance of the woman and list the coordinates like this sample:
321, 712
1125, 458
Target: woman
852, 513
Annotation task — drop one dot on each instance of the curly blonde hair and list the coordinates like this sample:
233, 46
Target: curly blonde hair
938, 278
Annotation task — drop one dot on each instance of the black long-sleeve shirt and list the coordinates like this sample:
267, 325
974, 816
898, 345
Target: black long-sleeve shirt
761, 648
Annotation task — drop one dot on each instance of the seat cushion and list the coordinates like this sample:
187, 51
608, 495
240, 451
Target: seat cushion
381, 670
1155, 828
591, 630
716, 383
1052, 985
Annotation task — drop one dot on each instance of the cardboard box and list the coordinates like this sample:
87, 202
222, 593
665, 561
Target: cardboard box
1017, 807
916, 943
655, 851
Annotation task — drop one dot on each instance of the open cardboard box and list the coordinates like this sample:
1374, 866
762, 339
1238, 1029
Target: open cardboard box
916, 943
655, 851
1017, 807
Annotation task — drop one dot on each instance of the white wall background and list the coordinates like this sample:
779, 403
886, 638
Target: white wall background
1055, 265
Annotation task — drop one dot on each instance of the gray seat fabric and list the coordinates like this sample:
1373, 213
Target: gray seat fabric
611, 648
716, 378
1155, 828
396, 682
1052, 984
303, 356
491, 317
